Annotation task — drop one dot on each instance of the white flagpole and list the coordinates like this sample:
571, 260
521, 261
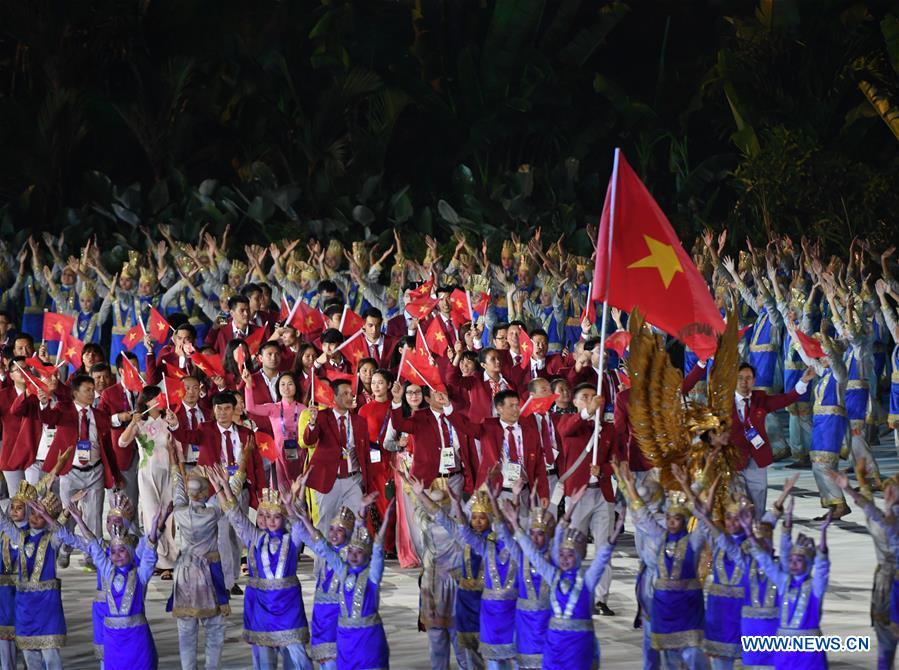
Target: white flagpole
597, 425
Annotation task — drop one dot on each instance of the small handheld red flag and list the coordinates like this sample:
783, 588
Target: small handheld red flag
421, 309
174, 371
267, 446
322, 393
211, 366
174, 391
40, 367
159, 327
254, 340
482, 303
134, 336
354, 349
131, 378
810, 345
538, 405
56, 325
70, 348
460, 307
350, 322
435, 338
618, 342
306, 319
525, 347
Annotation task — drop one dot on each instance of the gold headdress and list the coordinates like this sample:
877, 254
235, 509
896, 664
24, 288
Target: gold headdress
677, 504
52, 504
737, 503
550, 285
650, 492
508, 250
88, 292
334, 250
147, 276
361, 539
360, 256
270, 501
437, 491
541, 519
119, 536
197, 475
131, 268
237, 269
226, 292
803, 546
25, 494
345, 519
121, 506
481, 503
574, 540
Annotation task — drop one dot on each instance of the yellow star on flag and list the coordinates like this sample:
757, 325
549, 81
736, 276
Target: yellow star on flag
662, 257
70, 352
58, 327
439, 337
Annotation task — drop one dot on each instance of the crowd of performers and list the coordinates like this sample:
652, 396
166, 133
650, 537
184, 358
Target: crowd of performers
454, 414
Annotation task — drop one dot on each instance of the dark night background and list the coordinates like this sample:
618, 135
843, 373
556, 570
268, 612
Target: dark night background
327, 117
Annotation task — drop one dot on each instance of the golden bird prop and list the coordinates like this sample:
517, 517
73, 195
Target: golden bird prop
670, 430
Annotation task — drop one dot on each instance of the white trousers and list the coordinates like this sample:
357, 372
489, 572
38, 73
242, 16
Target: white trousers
595, 514
188, 637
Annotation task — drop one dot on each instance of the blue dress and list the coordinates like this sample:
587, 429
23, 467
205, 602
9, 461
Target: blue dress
677, 608
857, 390
273, 614
829, 417
724, 601
763, 352
39, 619
759, 615
893, 417
10, 559
326, 605
361, 641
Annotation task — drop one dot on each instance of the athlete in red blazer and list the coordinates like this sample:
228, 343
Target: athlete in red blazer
325, 462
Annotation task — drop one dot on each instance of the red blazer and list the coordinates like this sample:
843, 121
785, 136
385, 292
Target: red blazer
65, 417
157, 366
226, 334
261, 396
760, 405
388, 346
113, 401
477, 392
397, 326
546, 446
329, 450
576, 433
21, 435
423, 427
209, 438
626, 445
490, 433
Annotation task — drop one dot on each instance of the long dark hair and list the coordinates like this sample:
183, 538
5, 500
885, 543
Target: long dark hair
407, 408
146, 397
97, 349
296, 383
229, 364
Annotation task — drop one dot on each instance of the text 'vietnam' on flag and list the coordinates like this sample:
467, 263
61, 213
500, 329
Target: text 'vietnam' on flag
640, 263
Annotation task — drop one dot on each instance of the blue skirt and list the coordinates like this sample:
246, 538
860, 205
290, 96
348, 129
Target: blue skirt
828, 432
275, 618
765, 364
498, 628
856, 404
530, 634
99, 612
722, 626
362, 648
894, 603
468, 617
323, 632
754, 626
570, 650
677, 619
129, 648
7, 612
40, 621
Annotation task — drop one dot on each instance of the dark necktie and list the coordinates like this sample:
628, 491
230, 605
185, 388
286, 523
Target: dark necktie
84, 430
344, 468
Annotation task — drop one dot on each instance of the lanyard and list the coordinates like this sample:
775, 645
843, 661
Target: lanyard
296, 419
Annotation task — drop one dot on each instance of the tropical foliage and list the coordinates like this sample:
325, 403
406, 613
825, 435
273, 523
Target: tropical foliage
351, 117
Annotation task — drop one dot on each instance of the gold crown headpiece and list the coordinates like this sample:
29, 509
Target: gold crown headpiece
803, 546
147, 276
550, 285
361, 539
735, 504
52, 504
541, 519
131, 268
574, 540
334, 250
119, 536
270, 501
345, 519
508, 250
237, 269
25, 494
360, 255
121, 506
437, 491
88, 292
481, 503
677, 504
650, 491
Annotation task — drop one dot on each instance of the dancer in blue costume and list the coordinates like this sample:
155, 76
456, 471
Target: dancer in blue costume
9, 554
127, 640
883, 527
274, 617
39, 619
829, 422
361, 641
326, 605
800, 592
571, 642
500, 593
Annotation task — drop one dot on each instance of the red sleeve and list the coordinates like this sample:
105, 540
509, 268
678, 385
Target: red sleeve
693, 378
779, 401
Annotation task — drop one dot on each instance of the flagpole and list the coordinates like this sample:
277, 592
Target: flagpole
597, 426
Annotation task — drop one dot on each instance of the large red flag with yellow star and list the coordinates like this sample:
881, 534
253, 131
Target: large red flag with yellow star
649, 268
